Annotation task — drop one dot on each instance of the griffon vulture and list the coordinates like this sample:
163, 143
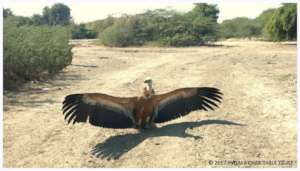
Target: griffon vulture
138, 112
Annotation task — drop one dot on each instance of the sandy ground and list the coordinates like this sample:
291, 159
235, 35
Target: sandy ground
258, 80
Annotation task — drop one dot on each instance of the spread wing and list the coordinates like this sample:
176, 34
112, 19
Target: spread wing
99, 109
182, 101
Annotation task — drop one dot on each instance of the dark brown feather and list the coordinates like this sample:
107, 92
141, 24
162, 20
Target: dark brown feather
100, 109
182, 101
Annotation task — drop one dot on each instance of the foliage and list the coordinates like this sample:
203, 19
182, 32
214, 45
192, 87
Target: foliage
272, 24
19, 20
240, 27
7, 12
81, 32
204, 10
124, 32
265, 17
168, 27
32, 52
100, 25
58, 14
262, 20
37, 19
283, 24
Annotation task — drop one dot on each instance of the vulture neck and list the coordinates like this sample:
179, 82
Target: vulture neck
148, 91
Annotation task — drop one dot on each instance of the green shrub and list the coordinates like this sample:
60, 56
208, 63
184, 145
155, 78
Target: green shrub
283, 23
240, 27
81, 32
262, 21
115, 36
167, 27
100, 25
124, 32
180, 40
32, 52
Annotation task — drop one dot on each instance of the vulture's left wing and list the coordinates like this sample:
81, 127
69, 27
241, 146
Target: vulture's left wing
100, 110
182, 101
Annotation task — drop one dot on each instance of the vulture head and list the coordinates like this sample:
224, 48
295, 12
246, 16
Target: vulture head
147, 90
138, 112
148, 80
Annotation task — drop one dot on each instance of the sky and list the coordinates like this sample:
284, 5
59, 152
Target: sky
90, 10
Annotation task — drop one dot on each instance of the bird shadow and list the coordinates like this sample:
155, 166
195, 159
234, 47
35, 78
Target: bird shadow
116, 146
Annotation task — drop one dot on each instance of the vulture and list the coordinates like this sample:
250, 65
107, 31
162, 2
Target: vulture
138, 112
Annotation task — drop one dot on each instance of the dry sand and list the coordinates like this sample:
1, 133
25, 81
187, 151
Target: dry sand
258, 80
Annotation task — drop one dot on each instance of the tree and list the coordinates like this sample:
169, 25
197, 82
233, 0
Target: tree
7, 12
100, 25
47, 15
37, 20
283, 24
163, 27
240, 27
263, 19
204, 22
228, 28
204, 10
124, 32
58, 14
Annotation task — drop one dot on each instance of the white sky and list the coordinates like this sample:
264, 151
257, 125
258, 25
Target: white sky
89, 10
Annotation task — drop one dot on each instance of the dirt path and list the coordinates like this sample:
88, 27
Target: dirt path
258, 80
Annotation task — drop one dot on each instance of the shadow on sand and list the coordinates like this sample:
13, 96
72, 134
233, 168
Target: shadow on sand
35, 91
114, 147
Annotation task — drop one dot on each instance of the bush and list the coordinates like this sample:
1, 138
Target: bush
32, 52
262, 20
99, 26
167, 27
81, 32
278, 24
283, 24
240, 27
179, 40
18, 20
124, 32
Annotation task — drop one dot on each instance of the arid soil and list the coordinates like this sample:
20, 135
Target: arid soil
255, 125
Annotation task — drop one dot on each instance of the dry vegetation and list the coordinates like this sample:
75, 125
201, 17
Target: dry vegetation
258, 80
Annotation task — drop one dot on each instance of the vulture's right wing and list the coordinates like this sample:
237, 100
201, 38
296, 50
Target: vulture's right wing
182, 101
100, 110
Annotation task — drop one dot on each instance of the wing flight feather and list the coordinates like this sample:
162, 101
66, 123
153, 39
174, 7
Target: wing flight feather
99, 109
181, 102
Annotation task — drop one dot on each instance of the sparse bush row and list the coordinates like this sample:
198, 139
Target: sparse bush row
81, 32
162, 27
279, 24
32, 52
